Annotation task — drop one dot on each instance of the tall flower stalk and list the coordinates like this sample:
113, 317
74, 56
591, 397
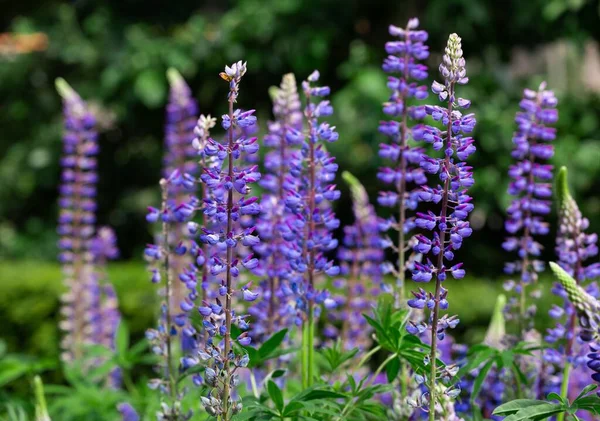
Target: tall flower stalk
449, 227
531, 189
90, 305
224, 209
404, 170
181, 117
309, 231
361, 257
162, 339
573, 248
271, 314
76, 219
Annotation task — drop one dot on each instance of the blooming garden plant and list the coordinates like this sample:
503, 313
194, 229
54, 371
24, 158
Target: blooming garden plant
271, 309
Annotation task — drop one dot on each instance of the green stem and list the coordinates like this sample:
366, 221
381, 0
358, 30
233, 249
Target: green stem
367, 356
518, 384
381, 367
564, 388
310, 359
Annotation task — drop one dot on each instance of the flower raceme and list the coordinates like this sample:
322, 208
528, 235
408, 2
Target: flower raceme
404, 170
226, 202
448, 227
90, 306
276, 310
531, 189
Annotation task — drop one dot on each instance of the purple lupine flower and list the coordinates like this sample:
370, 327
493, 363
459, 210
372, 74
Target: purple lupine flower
531, 189
226, 202
361, 258
128, 412
179, 156
573, 248
76, 220
160, 257
309, 195
103, 247
308, 233
404, 170
273, 312
449, 227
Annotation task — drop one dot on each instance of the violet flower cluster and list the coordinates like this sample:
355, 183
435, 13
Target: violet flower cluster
310, 192
181, 116
227, 202
274, 311
90, 307
573, 247
360, 262
404, 170
531, 189
449, 225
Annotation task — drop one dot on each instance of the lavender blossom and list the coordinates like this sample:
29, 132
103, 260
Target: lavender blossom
273, 312
309, 231
227, 202
361, 258
449, 227
404, 170
76, 220
531, 190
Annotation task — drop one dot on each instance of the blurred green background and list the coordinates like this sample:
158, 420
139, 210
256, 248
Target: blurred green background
115, 53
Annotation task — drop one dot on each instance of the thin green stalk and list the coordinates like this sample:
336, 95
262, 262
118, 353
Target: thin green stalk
381, 367
518, 384
564, 387
367, 356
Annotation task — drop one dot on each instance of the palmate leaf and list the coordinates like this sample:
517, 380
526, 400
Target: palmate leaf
480, 379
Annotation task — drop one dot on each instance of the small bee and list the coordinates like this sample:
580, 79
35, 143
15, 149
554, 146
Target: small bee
225, 76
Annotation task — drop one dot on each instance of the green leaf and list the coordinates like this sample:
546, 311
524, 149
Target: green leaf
122, 339
478, 382
553, 396
516, 405
537, 412
392, 369
585, 391
271, 344
275, 394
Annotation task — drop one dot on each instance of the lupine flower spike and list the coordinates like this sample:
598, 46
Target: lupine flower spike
179, 155
162, 339
310, 230
226, 202
404, 170
361, 258
449, 227
531, 189
573, 247
76, 220
588, 312
273, 313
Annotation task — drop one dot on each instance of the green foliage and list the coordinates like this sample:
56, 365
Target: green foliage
389, 324
483, 358
534, 410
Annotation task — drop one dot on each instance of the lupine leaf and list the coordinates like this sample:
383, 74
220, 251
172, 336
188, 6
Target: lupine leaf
275, 394
537, 412
272, 343
392, 369
481, 376
585, 391
516, 405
